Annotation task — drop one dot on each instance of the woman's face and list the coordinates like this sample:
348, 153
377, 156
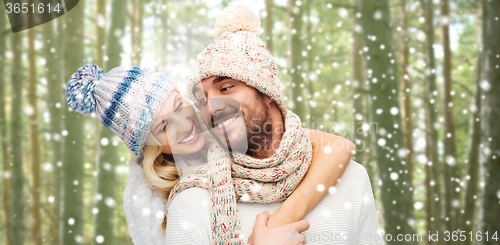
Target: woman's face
177, 128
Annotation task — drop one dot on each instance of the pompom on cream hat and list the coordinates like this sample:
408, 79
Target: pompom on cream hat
239, 53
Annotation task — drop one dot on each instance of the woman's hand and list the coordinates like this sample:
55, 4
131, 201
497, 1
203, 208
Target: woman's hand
288, 234
278, 219
331, 155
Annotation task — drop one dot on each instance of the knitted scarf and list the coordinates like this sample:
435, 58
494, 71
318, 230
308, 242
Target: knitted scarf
232, 177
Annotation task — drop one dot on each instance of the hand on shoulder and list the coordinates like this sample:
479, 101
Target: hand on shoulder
330, 142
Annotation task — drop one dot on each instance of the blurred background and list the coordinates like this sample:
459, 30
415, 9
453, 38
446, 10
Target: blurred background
414, 83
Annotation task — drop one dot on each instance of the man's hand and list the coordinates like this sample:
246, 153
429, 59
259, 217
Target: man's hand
275, 219
283, 235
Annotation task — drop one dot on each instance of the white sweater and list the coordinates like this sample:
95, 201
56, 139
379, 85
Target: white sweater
346, 215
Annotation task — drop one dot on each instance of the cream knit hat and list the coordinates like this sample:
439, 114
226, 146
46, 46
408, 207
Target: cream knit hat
239, 53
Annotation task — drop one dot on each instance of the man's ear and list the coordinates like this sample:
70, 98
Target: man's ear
268, 100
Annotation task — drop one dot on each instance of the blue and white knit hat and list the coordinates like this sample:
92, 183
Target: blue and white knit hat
126, 99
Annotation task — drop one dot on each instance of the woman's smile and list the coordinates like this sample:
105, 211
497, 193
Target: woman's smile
191, 137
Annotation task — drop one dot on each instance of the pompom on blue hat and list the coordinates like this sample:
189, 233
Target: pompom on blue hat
80, 88
126, 99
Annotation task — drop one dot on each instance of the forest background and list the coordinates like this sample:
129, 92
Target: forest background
414, 84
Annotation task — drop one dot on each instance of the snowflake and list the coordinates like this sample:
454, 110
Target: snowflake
99, 239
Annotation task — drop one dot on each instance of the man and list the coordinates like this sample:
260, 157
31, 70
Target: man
237, 89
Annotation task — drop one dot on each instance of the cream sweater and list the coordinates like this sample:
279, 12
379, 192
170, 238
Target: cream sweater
346, 215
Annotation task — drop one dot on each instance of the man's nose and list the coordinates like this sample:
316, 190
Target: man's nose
216, 105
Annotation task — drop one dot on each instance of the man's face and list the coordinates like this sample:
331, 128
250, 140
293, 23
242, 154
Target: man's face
235, 113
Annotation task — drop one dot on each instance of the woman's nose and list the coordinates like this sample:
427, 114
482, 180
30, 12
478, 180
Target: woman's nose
184, 126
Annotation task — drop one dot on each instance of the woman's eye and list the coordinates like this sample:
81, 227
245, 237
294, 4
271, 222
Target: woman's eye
179, 106
163, 128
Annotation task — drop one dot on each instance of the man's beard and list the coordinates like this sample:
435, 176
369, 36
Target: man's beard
258, 127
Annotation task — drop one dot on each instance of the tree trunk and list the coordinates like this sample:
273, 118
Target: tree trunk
137, 32
359, 136
430, 220
165, 41
189, 32
137, 26
475, 140
490, 113
359, 112
309, 68
17, 176
269, 24
101, 34
6, 169
54, 100
387, 138
451, 176
99, 61
297, 82
406, 99
434, 197
136, 39
71, 216
105, 183
36, 236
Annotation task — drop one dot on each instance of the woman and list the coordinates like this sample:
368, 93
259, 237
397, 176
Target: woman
145, 110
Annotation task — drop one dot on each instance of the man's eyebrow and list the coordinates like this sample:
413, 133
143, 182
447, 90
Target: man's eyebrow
195, 89
215, 81
219, 79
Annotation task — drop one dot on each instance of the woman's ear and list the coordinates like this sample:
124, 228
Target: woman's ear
160, 157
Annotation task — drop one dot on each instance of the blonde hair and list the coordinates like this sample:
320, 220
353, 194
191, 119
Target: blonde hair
158, 172
159, 168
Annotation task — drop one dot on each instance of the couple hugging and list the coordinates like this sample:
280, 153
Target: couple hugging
215, 176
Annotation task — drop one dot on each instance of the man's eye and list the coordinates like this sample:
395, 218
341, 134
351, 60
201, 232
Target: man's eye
202, 101
225, 89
